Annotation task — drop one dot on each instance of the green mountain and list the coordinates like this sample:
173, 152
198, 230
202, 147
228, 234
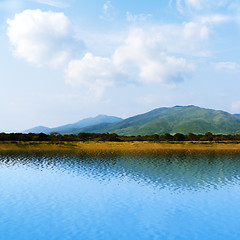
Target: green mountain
182, 119
100, 119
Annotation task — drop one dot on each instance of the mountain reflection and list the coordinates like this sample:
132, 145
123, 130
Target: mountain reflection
192, 170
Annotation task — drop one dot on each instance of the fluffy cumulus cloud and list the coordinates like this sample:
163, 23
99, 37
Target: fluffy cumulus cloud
41, 38
139, 59
149, 54
142, 59
188, 38
95, 73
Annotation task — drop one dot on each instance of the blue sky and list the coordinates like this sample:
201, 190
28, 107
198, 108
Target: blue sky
62, 61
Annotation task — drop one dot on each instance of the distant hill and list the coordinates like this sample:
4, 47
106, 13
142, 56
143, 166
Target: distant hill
69, 128
94, 128
38, 129
183, 119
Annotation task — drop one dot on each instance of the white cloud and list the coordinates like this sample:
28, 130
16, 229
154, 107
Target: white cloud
137, 17
41, 38
197, 4
106, 6
195, 29
108, 11
138, 60
188, 38
52, 3
148, 54
230, 67
200, 5
93, 72
143, 60
179, 6
214, 19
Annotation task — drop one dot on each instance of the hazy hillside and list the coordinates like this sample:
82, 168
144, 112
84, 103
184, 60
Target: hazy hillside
183, 119
69, 128
93, 129
38, 129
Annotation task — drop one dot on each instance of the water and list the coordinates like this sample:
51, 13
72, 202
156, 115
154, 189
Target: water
117, 195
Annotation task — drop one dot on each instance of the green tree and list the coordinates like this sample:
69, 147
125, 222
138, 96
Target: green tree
168, 137
192, 137
209, 136
179, 137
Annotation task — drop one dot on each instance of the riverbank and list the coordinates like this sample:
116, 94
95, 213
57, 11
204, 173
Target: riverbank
125, 146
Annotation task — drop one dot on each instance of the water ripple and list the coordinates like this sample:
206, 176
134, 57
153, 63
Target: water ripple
119, 195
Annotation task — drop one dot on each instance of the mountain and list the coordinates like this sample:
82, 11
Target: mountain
38, 129
94, 128
183, 119
100, 119
69, 128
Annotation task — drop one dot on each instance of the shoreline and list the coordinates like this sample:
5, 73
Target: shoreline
122, 146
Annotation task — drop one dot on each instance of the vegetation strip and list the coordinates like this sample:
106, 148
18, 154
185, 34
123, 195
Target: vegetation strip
127, 146
178, 137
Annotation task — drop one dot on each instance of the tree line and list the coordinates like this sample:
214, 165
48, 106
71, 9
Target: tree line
115, 137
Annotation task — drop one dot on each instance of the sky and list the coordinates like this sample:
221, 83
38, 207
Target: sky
65, 60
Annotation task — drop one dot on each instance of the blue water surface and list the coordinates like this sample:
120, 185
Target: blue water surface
119, 195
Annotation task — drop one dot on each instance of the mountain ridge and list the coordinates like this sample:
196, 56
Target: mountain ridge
68, 128
182, 119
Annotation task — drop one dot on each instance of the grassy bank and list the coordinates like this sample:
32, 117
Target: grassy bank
128, 146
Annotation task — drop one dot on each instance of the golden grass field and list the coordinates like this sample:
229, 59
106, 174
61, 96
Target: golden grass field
124, 146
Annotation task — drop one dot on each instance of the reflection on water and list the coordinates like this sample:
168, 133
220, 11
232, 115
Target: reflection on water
174, 169
120, 195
